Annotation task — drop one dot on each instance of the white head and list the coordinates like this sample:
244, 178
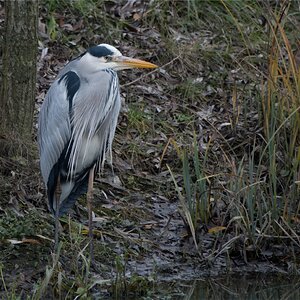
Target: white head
105, 56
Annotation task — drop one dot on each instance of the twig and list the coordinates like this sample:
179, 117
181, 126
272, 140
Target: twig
155, 70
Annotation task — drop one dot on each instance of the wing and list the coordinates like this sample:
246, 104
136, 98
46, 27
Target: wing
55, 128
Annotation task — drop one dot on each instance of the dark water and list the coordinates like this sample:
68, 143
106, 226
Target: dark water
260, 287
234, 287
231, 287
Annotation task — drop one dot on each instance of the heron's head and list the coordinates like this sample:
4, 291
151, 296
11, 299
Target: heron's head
105, 56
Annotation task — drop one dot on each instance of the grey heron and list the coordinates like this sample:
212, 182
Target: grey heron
76, 126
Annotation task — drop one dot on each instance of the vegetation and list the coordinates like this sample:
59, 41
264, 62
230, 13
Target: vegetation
206, 157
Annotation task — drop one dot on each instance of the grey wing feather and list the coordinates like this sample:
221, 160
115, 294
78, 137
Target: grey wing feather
54, 127
94, 120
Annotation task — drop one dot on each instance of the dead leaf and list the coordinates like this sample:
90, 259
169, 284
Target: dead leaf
24, 241
136, 16
216, 229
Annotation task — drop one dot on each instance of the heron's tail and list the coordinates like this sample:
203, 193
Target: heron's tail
79, 188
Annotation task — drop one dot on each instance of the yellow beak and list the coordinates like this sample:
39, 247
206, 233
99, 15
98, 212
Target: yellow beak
129, 62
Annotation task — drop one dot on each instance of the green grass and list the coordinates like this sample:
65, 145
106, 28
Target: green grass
138, 119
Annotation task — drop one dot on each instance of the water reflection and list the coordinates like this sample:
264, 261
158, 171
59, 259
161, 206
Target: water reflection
244, 287
231, 287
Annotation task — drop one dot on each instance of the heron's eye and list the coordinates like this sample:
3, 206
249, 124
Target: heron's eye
108, 58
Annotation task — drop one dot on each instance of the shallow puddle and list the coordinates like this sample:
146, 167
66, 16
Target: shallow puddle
254, 287
237, 287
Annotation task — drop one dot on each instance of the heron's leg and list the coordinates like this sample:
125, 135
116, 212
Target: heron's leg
56, 237
90, 206
57, 198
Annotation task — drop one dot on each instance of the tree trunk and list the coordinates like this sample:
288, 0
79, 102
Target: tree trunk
19, 53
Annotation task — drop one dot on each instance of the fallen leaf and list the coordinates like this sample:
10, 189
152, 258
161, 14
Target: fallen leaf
136, 16
23, 241
216, 229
